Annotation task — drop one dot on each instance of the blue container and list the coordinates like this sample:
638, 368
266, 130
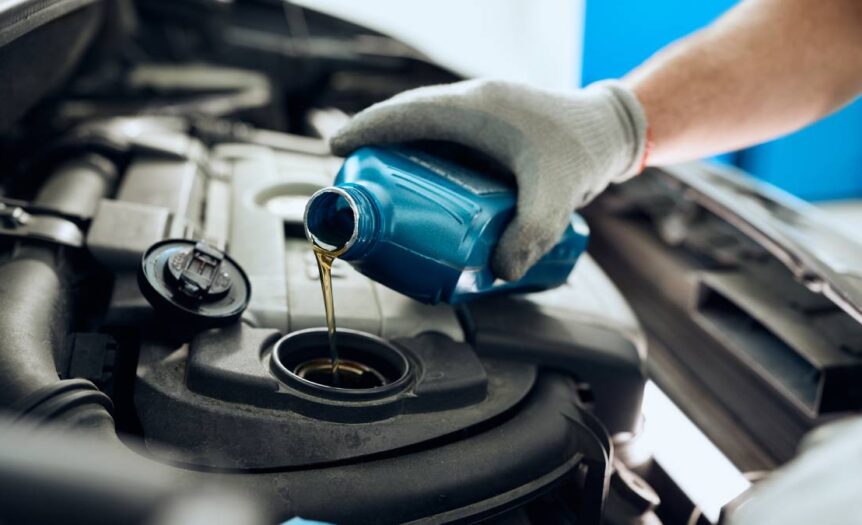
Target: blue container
427, 227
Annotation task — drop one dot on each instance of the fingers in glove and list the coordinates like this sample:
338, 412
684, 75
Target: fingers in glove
394, 123
449, 113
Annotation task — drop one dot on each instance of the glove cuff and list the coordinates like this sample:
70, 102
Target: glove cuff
633, 121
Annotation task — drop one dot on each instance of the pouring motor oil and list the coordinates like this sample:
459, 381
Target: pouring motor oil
426, 227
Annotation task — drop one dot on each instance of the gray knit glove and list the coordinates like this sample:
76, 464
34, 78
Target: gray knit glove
564, 147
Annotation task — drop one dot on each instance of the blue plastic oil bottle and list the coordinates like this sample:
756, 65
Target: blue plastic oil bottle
427, 227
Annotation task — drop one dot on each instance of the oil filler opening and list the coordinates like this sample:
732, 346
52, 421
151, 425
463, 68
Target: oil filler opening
351, 375
369, 367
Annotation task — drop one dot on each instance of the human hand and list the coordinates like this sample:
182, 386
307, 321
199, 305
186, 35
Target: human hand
564, 147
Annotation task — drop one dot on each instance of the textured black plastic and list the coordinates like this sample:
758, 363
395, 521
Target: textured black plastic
226, 408
154, 282
478, 472
601, 357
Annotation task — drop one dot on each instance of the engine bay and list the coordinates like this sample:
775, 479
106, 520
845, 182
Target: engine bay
152, 136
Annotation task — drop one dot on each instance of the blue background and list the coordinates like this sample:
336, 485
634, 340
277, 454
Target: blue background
820, 162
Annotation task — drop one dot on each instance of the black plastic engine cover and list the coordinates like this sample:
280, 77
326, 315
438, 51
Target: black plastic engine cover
464, 477
220, 404
465, 438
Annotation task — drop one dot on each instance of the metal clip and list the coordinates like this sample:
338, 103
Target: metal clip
13, 216
18, 220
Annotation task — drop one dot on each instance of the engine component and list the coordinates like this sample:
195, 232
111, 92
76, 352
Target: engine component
777, 354
90, 481
372, 367
194, 282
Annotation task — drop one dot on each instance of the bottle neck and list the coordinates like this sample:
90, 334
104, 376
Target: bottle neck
342, 220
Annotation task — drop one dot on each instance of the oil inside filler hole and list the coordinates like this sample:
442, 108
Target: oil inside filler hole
348, 374
369, 366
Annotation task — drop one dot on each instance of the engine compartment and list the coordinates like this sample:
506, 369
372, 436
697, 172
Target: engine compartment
497, 402
217, 397
188, 121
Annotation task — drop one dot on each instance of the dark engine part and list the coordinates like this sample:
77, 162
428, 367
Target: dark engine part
38, 295
193, 283
68, 477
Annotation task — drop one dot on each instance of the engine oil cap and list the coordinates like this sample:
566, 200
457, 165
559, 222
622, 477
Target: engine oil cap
193, 281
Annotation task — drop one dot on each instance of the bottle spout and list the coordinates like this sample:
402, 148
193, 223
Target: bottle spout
342, 221
331, 220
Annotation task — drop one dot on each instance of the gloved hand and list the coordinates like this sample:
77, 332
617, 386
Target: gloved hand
564, 147
823, 485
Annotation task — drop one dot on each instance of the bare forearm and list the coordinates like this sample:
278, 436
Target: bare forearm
766, 68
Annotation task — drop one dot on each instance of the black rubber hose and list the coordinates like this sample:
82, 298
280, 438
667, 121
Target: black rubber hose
34, 320
77, 185
36, 286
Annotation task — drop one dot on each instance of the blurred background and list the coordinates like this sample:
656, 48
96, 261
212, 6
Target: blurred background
565, 43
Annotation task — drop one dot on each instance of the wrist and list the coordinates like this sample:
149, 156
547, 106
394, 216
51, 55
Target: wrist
648, 147
632, 121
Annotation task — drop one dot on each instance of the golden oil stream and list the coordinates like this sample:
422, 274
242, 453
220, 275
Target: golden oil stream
324, 267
